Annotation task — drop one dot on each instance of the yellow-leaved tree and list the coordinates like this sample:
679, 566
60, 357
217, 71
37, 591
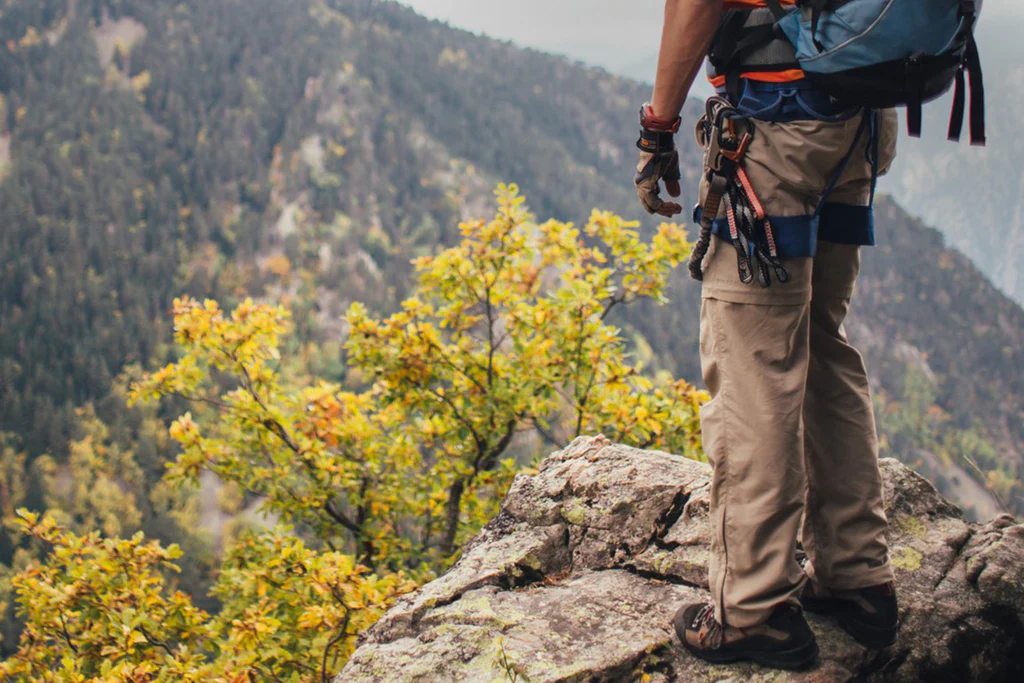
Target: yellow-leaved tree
504, 349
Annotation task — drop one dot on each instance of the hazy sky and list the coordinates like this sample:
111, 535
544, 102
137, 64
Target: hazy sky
610, 33
614, 34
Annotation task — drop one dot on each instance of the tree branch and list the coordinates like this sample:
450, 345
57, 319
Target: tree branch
67, 636
155, 641
337, 638
487, 461
548, 435
480, 443
452, 512
340, 517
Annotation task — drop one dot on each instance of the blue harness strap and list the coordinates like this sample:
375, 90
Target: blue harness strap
869, 123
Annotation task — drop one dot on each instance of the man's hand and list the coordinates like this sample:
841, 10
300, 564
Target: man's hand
659, 162
650, 171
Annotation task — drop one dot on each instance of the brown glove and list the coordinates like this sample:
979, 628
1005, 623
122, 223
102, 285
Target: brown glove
659, 162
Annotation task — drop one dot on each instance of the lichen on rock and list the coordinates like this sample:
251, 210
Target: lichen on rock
576, 580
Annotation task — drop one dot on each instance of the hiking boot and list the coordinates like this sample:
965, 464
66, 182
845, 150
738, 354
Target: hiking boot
871, 615
785, 641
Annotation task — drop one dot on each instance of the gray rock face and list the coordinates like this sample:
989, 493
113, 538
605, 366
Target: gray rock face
577, 578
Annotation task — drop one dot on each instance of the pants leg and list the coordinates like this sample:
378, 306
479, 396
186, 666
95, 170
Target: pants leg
844, 525
782, 377
755, 359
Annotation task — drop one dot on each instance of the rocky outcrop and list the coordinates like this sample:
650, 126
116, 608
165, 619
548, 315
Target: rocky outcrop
575, 581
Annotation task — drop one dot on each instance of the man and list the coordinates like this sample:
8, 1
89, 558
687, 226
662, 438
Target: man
790, 430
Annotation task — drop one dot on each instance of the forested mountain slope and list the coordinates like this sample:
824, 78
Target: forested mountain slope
933, 177
306, 150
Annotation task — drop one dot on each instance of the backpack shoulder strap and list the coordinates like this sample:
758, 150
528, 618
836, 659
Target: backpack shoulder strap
777, 9
972, 65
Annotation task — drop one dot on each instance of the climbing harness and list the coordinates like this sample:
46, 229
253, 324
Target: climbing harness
725, 134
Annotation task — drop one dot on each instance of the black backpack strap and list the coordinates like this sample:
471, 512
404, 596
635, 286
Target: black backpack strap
977, 92
817, 7
732, 85
723, 45
754, 39
956, 117
867, 125
776, 7
914, 118
972, 65
915, 97
749, 40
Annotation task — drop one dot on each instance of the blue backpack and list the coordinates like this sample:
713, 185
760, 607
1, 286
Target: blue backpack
871, 53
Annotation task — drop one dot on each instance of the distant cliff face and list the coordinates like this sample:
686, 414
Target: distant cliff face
579, 575
975, 196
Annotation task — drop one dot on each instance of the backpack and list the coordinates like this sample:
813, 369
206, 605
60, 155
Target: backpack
870, 53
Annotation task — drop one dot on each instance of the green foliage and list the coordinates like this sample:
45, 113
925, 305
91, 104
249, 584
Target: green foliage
930, 305
103, 610
113, 204
513, 672
505, 339
100, 610
292, 613
505, 335
97, 488
919, 432
508, 331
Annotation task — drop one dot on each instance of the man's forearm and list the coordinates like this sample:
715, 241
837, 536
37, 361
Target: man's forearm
689, 27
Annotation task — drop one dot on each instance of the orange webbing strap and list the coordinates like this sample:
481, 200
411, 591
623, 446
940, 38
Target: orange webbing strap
753, 4
785, 76
748, 188
755, 204
746, 214
739, 242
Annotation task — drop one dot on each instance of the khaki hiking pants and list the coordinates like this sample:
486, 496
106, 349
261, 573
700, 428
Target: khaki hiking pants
790, 429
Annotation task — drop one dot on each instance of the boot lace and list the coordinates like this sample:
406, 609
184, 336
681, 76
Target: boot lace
708, 629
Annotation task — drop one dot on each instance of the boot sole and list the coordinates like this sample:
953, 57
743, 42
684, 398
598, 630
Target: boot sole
793, 660
871, 637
